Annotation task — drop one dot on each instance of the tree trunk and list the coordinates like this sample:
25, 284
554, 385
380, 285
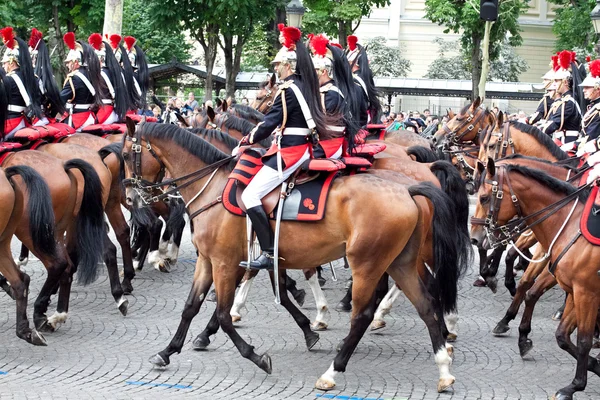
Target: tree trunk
61, 72
476, 66
227, 47
485, 62
343, 33
209, 41
113, 17
71, 27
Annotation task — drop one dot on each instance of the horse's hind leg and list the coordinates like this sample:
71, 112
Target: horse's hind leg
320, 323
559, 313
385, 307
242, 295
346, 303
55, 269
154, 257
110, 259
123, 234
6, 286
23, 256
298, 294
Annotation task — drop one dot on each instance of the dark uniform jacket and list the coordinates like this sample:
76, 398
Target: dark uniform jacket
564, 115
75, 91
332, 99
542, 109
15, 98
591, 127
364, 104
104, 90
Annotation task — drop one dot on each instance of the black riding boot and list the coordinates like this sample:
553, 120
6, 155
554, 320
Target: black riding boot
266, 238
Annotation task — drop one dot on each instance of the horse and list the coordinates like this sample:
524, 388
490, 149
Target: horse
247, 113
26, 209
221, 245
265, 95
466, 126
77, 205
553, 212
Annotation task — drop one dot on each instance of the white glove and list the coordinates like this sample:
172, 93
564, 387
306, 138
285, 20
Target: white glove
235, 150
594, 174
594, 159
568, 146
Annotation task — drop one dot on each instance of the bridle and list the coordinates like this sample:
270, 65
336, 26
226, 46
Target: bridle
504, 141
146, 189
266, 97
461, 153
467, 126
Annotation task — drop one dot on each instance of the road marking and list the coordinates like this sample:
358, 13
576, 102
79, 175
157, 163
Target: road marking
343, 397
3, 373
153, 384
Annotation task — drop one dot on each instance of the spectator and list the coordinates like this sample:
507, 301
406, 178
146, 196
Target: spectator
245, 101
496, 110
426, 112
191, 102
156, 111
522, 117
397, 124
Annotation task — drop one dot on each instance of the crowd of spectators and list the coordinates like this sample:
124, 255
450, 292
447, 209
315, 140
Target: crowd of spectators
423, 123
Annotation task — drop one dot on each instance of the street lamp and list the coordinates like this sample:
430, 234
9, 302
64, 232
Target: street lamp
596, 21
295, 11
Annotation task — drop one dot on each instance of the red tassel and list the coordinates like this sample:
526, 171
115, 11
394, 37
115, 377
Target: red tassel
290, 36
319, 45
69, 39
595, 68
280, 27
564, 59
35, 38
8, 37
352, 40
129, 42
95, 40
115, 40
555, 63
588, 59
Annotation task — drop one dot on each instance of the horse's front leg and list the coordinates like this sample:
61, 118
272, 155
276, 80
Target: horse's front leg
242, 295
320, 323
491, 266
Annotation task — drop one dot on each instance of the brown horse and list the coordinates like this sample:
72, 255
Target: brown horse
552, 209
77, 203
220, 239
265, 96
26, 206
466, 126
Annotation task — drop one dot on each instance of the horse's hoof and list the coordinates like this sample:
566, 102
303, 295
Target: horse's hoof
324, 384
346, 307
299, 296
37, 339
450, 350
211, 296
492, 284
451, 337
557, 315
596, 344
236, 318
319, 326
445, 383
479, 282
201, 342
562, 396
265, 363
311, 339
137, 266
127, 287
500, 328
525, 347
158, 361
339, 346
123, 305
164, 266
378, 324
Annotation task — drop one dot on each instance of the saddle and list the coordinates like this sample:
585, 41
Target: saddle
54, 130
308, 188
105, 129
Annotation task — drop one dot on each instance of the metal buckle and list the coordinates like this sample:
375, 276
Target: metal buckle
500, 195
514, 198
137, 148
470, 127
505, 144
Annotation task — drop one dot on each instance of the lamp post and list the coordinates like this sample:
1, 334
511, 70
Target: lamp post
295, 11
595, 14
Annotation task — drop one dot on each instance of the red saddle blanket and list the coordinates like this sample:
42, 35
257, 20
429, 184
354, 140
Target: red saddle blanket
104, 129
138, 118
590, 218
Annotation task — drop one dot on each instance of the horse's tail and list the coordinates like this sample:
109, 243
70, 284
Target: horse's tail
451, 247
41, 214
116, 149
90, 222
176, 220
452, 184
422, 154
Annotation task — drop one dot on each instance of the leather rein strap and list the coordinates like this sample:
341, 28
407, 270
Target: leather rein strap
454, 136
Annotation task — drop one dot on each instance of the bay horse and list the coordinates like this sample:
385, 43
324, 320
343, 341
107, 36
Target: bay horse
77, 204
466, 126
26, 209
552, 209
220, 239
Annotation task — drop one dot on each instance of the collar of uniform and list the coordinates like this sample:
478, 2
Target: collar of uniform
14, 71
567, 94
594, 103
326, 86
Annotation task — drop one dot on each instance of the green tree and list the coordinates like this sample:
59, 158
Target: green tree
463, 17
337, 18
573, 25
385, 60
258, 51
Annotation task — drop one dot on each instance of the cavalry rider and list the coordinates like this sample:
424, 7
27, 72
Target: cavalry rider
141, 78
51, 102
113, 92
358, 59
541, 113
564, 118
80, 92
23, 94
294, 118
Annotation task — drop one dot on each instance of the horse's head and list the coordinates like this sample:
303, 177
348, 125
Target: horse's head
143, 167
491, 140
464, 126
265, 95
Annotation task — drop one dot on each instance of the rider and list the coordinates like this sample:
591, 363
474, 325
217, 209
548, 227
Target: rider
23, 102
50, 94
294, 118
358, 58
541, 113
80, 92
113, 92
137, 58
564, 117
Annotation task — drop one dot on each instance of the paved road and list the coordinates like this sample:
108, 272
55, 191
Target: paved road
100, 354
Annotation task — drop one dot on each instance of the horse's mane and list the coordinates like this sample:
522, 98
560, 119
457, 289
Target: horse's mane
244, 126
193, 144
210, 134
542, 138
550, 182
517, 156
247, 112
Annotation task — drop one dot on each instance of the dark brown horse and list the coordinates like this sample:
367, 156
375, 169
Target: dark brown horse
466, 126
552, 209
220, 239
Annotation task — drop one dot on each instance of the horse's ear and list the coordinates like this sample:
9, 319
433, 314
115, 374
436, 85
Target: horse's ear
211, 113
130, 126
491, 166
450, 114
480, 167
225, 105
273, 80
477, 103
500, 118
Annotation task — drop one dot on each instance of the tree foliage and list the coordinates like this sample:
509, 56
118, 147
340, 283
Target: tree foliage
573, 24
258, 50
386, 61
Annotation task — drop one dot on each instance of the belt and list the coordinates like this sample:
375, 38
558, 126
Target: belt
16, 108
336, 128
572, 133
72, 106
107, 101
296, 131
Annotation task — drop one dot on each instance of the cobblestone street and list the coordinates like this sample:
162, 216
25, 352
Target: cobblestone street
98, 353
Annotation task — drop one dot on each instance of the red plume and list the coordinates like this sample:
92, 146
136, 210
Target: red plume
564, 59
595, 68
95, 40
69, 39
310, 36
588, 59
8, 37
339, 46
35, 38
280, 27
129, 42
555, 63
319, 45
352, 40
290, 36
573, 56
115, 40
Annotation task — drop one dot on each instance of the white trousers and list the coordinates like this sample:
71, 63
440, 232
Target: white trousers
112, 118
42, 122
266, 180
90, 121
9, 135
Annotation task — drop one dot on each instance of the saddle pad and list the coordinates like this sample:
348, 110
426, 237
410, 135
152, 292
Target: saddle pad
323, 164
9, 146
306, 202
138, 118
359, 163
248, 165
590, 218
60, 130
377, 130
99, 129
361, 136
368, 149
32, 133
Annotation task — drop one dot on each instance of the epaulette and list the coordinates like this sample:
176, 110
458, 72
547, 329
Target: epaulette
71, 74
325, 88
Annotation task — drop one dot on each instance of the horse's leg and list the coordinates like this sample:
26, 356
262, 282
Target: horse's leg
23, 256
320, 278
200, 286
586, 308
509, 275
320, 323
123, 233
110, 260
433, 288
385, 307
55, 269
559, 313
527, 280
346, 303
491, 268
5, 285
154, 257
298, 294
173, 252
311, 338
480, 281
242, 295
544, 282
143, 246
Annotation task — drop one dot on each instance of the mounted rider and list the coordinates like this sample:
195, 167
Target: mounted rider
295, 118
113, 92
50, 94
23, 94
544, 105
564, 118
141, 78
80, 92
359, 61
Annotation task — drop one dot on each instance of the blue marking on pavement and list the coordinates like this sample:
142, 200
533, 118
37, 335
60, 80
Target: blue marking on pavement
153, 384
342, 397
3, 373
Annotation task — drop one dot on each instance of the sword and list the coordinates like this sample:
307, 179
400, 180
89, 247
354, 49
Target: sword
276, 244
333, 274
